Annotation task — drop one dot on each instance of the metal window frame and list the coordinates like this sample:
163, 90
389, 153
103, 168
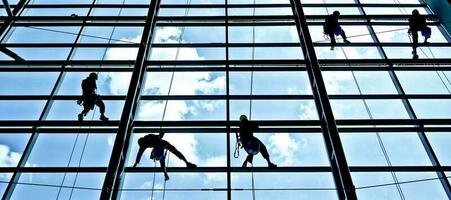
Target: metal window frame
327, 125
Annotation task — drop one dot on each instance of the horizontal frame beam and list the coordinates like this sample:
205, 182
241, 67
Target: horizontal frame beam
224, 169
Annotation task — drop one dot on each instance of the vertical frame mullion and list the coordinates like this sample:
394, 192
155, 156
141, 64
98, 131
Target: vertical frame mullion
34, 131
228, 124
340, 169
408, 106
117, 161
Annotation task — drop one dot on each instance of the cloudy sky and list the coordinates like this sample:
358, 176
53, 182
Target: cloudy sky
286, 149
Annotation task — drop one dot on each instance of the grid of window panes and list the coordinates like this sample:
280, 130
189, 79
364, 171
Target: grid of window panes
209, 62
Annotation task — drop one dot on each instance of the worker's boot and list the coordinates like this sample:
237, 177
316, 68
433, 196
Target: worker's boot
103, 118
80, 117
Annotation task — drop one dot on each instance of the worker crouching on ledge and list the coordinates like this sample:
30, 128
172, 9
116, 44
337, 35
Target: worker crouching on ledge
159, 151
250, 143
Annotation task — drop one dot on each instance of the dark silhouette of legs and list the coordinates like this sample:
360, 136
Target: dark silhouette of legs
343, 35
262, 149
414, 44
337, 31
89, 103
87, 106
177, 153
101, 105
265, 155
163, 166
332, 41
249, 159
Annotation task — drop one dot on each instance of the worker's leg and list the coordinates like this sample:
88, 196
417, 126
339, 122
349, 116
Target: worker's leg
343, 35
101, 105
332, 41
414, 42
265, 153
86, 107
163, 166
249, 159
177, 153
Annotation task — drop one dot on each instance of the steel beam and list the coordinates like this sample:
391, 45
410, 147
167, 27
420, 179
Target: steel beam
224, 169
120, 148
340, 169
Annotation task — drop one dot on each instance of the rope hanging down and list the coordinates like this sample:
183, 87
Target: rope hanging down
250, 101
188, 2
381, 144
110, 38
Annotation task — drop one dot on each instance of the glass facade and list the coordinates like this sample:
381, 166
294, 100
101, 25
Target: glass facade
362, 121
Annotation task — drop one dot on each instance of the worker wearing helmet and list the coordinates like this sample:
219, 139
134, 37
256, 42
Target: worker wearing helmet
332, 29
251, 144
159, 147
90, 98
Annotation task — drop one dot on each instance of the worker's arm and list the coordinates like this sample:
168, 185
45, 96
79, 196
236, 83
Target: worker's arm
139, 155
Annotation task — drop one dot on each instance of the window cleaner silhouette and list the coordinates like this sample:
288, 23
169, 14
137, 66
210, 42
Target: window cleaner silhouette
331, 28
417, 23
90, 98
159, 151
251, 144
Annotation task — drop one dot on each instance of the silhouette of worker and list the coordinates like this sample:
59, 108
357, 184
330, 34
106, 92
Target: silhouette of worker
332, 29
251, 144
158, 152
90, 98
417, 23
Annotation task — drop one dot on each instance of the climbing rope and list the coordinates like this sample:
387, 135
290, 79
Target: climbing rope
381, 144
250, 98
110, 38
76, 140
164, 184
153, 181
188, 2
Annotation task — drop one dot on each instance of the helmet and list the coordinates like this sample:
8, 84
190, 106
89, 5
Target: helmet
243, 117
415, 12
93, 75
336, 13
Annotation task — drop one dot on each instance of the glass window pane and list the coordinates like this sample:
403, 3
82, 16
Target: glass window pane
185, 83
349, 109
431, 108
422, 82
42, 53
432, 189
29, 83
387, 109
274, 181
287, 149
177, 181
270, 83
69, 150
441, 144
181, 110
363, 179
108, 83
21, 110
362, 149
89, 180
375, 82
69, 110
42, 35
274, 109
